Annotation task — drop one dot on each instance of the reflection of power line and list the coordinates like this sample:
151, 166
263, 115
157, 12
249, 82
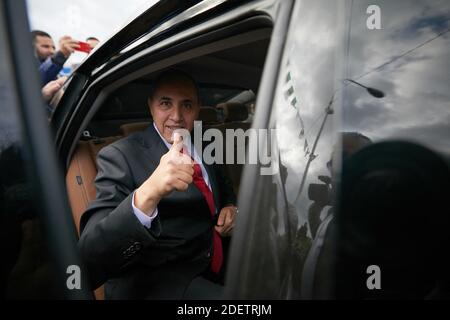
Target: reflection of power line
329, 111
312, 156
312, 127
402, 55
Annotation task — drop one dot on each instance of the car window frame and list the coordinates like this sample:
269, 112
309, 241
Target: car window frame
249, 185
59, 227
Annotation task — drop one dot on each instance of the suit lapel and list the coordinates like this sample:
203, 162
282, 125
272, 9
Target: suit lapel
153, 142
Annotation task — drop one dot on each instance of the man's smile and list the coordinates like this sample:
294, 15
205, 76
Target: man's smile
172, 128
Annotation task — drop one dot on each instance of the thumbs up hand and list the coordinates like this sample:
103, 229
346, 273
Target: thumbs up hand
176, 154
174, 172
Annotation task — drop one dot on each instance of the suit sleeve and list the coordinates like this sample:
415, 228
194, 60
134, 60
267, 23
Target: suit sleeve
50, 68
227, 195
111, 235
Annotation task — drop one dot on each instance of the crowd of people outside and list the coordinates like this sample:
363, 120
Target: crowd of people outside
50, 62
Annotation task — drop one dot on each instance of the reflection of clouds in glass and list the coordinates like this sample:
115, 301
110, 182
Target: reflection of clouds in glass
312, 60
311, 54
417, 90
370, 49
289, 144
424, 24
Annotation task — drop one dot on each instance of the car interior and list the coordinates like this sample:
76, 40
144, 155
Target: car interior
228, 80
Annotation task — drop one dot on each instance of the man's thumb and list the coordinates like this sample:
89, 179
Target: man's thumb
177, 145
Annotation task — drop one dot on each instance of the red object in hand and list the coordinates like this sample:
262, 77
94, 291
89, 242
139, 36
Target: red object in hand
84, 46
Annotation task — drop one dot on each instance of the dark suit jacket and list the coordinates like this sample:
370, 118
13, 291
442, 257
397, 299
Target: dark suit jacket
138, 262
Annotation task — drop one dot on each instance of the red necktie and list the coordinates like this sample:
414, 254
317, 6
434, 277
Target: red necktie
200, 183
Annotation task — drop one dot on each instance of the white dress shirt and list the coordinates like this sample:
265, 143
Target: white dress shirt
146, 220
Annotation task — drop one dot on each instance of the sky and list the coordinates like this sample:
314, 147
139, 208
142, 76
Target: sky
82, 18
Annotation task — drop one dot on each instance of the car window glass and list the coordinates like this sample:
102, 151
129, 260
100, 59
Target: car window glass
286, 217
26, 271
303, 116
408, 58
392, 83
393, 217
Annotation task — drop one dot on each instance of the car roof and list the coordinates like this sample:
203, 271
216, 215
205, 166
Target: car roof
160, 18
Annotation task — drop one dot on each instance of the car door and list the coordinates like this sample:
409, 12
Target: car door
38, 239
357, 94
296, 108
393, 216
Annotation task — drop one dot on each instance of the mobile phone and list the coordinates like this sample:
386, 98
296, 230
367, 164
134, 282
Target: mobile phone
84, 47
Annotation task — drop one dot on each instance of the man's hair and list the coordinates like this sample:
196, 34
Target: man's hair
173, 75
92, 38
36, 33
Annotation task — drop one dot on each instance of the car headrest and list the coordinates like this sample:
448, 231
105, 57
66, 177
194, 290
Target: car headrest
208, 115
129, 128
233, 111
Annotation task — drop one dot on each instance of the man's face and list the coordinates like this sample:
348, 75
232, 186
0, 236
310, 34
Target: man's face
92, 43
44, 47
174, 105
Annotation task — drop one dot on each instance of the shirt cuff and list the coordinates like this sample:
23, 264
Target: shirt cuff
142, 217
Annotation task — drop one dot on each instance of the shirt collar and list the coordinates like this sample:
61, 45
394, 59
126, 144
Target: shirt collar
167, 144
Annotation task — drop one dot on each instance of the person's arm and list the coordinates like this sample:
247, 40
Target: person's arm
49, 90
174, 172
50, 68
111, 234
144, 218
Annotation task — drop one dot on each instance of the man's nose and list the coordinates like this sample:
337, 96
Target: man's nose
177, 114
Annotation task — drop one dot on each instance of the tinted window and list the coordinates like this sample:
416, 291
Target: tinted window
37, 234
303, 115
26, 271
409, 60
285, 214
338, 95
393, 215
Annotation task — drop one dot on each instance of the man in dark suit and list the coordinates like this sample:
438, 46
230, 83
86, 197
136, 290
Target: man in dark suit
150, 233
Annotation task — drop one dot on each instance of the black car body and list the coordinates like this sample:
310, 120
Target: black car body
356, 95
